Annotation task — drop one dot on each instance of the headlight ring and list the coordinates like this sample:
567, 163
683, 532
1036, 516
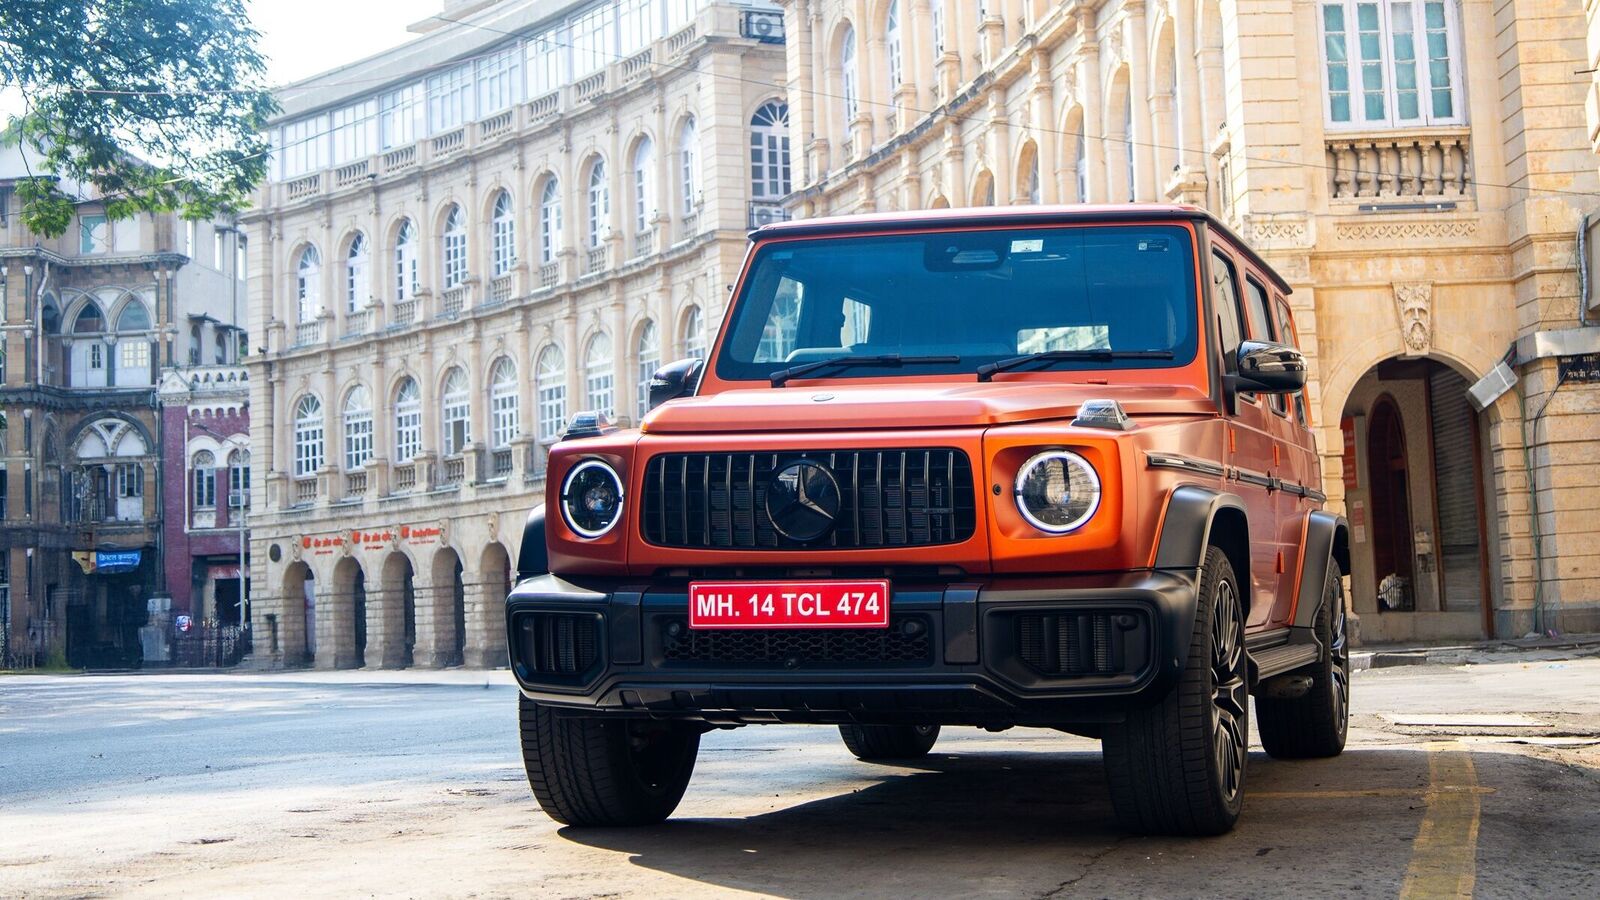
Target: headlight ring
1057, 491
591, 499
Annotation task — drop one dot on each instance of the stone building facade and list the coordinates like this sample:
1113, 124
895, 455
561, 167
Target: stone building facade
517, 216
87, 323
1417, 171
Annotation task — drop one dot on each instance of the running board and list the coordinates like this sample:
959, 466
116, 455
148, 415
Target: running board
1284, 658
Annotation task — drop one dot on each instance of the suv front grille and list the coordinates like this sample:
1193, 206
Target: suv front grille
906, 642
888, 498
558, 644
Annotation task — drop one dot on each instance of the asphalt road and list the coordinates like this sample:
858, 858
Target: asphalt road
409, 784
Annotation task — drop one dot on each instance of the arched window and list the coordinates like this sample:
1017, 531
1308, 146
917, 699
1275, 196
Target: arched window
456, 415
133, 354
1127, 133
1030, 182
406, 279
769, 151
89, 320
694, 337
455, 248
308, 285
309, 446
936, 13
599, 381
892, 45
502, 236
599, 203
1081, 169
552, 388
649, 360
550, 221
407, 421
357, 428
644, 184
204, 469
688, 168
239, 478
847, 69
357, 280
503, 407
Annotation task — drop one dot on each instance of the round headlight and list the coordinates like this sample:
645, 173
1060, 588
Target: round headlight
591, 498
1057, 491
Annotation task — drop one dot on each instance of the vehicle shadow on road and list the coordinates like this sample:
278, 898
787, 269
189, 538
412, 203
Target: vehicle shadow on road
1012, 822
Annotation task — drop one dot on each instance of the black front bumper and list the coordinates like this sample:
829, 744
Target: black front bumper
1002, 651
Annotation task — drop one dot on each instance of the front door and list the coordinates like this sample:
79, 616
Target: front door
1391, 509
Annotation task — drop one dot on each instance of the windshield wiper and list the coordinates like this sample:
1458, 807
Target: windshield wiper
894, 360
987, 371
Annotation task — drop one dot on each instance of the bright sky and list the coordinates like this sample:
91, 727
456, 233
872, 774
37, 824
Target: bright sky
303, 37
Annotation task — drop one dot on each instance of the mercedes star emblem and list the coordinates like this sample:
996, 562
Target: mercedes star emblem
803, 500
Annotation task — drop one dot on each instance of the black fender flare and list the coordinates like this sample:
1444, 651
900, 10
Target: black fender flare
1186, 529
1327, 543
533, 556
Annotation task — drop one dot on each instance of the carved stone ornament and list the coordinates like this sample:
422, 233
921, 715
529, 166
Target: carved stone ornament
492, 523
1414, 303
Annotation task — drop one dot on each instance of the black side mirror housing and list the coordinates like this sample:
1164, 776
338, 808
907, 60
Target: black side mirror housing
674, 380
1265, 367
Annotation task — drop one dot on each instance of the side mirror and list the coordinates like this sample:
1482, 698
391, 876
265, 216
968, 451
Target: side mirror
1269, 368
674, 380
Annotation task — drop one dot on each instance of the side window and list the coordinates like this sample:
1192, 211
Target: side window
1289, 337
1261, 329
1225, 301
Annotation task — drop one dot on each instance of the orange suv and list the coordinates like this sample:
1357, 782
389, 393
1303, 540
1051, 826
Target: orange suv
1029, 466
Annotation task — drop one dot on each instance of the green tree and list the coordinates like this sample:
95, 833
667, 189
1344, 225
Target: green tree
157, 104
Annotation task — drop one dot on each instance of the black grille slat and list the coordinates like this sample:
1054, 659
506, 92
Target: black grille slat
559, 644
1071, 644
889, 498
906, 641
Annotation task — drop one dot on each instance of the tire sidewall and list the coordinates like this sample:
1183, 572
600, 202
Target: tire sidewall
1219, 572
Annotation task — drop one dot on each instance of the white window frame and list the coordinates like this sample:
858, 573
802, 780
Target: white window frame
407, 278
849, 76
94, 235
357, 429
308, 285
592, 39
1356, 84
503, 235
689, 167
599, 375
455, 408
309, 444
552, 394
549, 220
893, 48
504, 410
499, 81
204, 485
453, 248
644, 184
358, 274
936, 13
648, 361
694, 333
599, 194
450, 99
407, 421
769, 151
355, 131
401, 117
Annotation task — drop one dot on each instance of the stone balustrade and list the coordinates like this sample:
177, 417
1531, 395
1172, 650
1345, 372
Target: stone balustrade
1434, 165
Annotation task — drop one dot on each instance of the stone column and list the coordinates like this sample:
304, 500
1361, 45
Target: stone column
1139, 130
1094, 97
486, 632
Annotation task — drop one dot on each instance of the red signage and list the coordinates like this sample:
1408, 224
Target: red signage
789, 604
1352, 477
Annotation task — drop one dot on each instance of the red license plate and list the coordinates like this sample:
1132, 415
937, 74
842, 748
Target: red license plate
789, 604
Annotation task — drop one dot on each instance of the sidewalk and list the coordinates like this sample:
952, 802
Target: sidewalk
1566, 646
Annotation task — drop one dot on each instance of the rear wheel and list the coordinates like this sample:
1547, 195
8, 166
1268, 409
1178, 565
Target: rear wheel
1178, 767
1314, 725
598, 771
889, 741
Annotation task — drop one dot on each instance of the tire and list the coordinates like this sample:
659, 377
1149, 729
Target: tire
889, 741
1178, 767
605, 772
1315, 725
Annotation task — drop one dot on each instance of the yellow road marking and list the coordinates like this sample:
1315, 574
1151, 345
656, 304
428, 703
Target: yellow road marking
1444, 857
1365, 792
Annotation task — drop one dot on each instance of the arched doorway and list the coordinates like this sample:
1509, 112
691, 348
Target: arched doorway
494, 572
450, 622
399, 590
1417, 499
299, 589
350, 595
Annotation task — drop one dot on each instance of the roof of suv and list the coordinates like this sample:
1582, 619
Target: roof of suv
970, 216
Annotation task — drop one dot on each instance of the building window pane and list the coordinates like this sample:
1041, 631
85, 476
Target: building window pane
503, 235
455, 248
308, 437
694, 336
92, 234
1399, 70
499, 81
649, 361
405, 262
449, 99
552, 388
456, 413
503, 406
644, 185
599, 203
357, 429
769, 152
357, 280
204, 468
688, 168
892, 44
308, 285
847, 65
407, 422
550, 221
598, 377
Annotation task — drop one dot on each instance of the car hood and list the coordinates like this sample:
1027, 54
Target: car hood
917, 405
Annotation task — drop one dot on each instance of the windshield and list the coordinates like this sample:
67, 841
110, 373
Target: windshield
979, 296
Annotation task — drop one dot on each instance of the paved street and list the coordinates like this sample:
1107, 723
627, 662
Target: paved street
408, 784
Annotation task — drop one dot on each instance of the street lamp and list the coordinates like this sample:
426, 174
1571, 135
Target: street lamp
235, 444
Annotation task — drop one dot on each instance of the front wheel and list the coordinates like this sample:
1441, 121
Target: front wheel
599, 771
1178, 767
889, 741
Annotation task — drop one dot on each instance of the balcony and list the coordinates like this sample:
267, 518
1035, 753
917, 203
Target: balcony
355, 323
766, 212
499, 464
403, 312
454, 472
305, 491
449, 142
637, 67
501, 289
644, 243
405, 478
545, 109
679, 41
453, 301
216, 378
496, 125
400, 158
301, 188
355, 484
689, 225
1433, 166
594, 260
549, 275
590, 87
308, 333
